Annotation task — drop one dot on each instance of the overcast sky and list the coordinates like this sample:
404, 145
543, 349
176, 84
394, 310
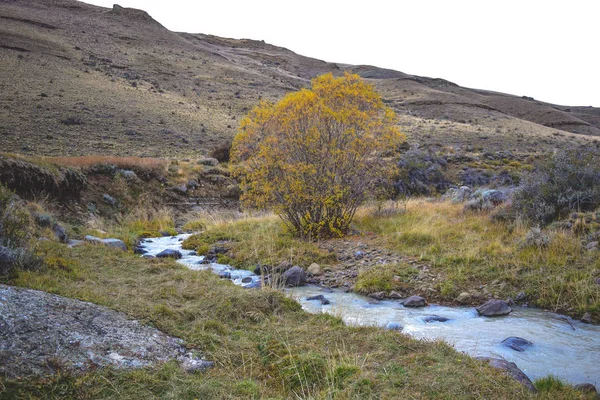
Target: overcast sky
548, 50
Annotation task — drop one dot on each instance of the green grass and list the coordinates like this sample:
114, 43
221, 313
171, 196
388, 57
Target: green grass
263, 344
384, 278
259, 240
470, 250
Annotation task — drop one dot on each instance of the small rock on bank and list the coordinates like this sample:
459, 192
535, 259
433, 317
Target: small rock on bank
494, 308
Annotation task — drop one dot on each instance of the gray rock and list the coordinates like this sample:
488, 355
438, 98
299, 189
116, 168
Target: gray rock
170, 253
359, 254
294, 276
111, 242
464, 298
7, 258
108, 199
139, 250
60, 233
511, 369
494, 308
586, 388
597, 281
377, 295
314, 269
592, 246
414, 301
587, 318
521, 296
45, 334
128, 174
192, 363
457, 195
320, 298
75, 243
435, 318
395, 295
394, 326
181, 189
91, 207
517, 343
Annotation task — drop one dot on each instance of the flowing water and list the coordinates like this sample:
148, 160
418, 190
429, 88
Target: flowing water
565, 348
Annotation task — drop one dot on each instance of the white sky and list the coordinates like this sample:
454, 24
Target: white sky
549, 50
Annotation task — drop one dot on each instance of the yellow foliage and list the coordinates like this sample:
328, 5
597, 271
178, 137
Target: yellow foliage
313, 156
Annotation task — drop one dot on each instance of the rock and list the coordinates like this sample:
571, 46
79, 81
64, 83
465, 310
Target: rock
91, 207
395, 295
516, 343
587, 318
592, 246
320, 298
75, 243
139, 250
493, 196
494, 308
457, 195
114, 243
108, 199
314, 269
394, 326
169, 253
521, 296
435, 318
60, 233
212, 162
414, 301
192, 184
247, 279
464, 298
377, 295
181, 189
7, 258
597, 281
225, 275
45, 334
586, 388
128, 174
359, 254
294, 276
511, 369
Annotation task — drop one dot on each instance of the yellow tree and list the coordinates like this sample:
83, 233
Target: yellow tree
314, 156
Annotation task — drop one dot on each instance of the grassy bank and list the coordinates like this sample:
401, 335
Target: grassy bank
468, 250
263, 345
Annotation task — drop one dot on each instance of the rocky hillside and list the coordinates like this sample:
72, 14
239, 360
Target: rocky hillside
80, 79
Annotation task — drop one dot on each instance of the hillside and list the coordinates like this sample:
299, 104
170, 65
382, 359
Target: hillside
80, 79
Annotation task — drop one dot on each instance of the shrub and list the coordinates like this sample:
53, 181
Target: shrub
421, 173
568, 181
15, 221
313, 156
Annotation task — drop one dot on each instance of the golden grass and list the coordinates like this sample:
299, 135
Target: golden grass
146, 163
470, 250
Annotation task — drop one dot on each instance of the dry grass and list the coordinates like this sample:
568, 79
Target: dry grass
469, 250
144, 163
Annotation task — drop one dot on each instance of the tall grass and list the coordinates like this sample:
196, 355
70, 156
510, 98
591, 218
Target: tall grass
153, 164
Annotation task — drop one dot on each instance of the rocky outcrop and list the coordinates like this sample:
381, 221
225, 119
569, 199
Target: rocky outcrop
511, 369
494, 308
42, 334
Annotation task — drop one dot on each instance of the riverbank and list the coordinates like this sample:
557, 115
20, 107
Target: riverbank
433, 249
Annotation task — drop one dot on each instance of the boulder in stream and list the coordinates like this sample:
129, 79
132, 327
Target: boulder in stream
511, 369
435, 318
320, 298
494, 308
516, 343
415, 301
170, 253
294, 276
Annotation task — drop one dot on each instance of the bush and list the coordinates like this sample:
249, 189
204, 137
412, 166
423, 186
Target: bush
569, 181
313, 156
421, 173
15, 222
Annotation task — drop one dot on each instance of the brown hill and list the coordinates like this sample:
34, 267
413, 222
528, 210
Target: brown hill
79, 79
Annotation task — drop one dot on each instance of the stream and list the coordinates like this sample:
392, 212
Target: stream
563, 347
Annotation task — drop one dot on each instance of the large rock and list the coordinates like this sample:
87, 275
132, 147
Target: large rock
435, 318
294, 276
414, 301
516, 343
170, 253
494, 308
586, 388
111, 242
457, 195
46, 334
511, 369
464, 298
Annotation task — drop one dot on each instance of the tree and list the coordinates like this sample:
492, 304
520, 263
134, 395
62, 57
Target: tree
314, 156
